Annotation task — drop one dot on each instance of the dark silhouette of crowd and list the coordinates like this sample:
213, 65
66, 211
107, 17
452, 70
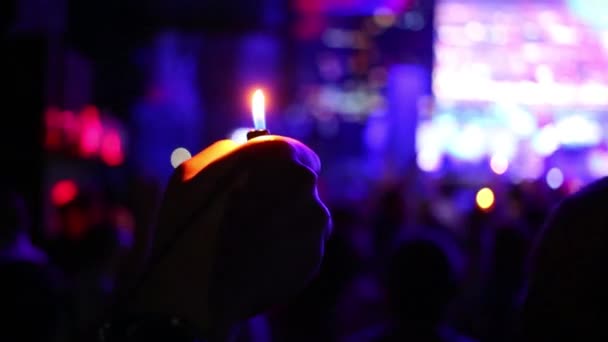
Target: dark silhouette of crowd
398, 266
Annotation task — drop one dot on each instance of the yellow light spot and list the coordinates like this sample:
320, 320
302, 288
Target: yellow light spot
485, 198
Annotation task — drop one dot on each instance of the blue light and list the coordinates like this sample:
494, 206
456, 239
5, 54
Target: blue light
555, 178
592, 11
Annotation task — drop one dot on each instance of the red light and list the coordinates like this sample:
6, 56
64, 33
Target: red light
63, 192
91, 131
111, 149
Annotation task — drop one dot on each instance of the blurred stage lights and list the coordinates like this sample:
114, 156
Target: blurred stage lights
579, 131
546, 141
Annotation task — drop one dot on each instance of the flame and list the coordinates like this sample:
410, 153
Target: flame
258, 109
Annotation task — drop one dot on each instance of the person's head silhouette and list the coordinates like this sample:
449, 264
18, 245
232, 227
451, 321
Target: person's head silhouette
568, 293
421, 283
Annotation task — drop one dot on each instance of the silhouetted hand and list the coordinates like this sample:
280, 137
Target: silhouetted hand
241, 228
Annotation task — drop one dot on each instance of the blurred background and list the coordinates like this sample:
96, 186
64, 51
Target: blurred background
447, 129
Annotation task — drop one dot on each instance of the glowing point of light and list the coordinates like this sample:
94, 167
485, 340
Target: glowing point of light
597, 163
63, 192
258, 110
485, 198
429, 159
555, 178
239, 135
111, 148
499, 164
179, 155
91, 131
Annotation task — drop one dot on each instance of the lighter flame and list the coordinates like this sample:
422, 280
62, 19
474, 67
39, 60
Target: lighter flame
258, 109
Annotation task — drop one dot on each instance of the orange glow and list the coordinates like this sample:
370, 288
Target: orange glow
201, 160
258, 109
193, 166
485, 198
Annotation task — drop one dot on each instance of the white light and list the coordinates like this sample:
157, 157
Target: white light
531, 52
544, 74
521, 121
475, 31
258, 109
499, 164
239, 135
503, 143
427, 136
470, 144
555, 178
179, 155
429, 160
597, 163
546, 141
577, 130
562, 34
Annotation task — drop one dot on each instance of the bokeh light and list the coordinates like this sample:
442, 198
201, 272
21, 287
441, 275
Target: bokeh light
597, 163
63, 192
555, 178
429, 159
239, 135
499, 164
111, 149
485, 198
179, 155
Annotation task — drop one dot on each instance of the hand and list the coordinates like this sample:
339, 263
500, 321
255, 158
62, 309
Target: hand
241, 228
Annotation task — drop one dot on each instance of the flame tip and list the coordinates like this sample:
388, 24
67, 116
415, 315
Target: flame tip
258, 109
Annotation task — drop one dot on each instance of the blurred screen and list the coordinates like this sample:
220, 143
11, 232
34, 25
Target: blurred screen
531, 53
516, 79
